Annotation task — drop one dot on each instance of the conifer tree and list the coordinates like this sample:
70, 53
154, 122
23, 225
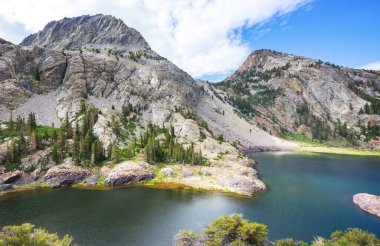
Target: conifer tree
114, 155
55, 155
53, 134
33, 141
11, 123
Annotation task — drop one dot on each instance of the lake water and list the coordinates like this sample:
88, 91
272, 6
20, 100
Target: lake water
308, 195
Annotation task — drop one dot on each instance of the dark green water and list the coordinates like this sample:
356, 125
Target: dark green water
307, 196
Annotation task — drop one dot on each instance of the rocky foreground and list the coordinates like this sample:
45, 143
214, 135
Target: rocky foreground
367, 202
227, 171
242, 181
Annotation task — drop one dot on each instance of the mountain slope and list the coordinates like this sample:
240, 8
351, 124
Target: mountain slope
111, 96
286, 93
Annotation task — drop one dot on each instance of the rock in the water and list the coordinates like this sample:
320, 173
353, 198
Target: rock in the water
128, 173
5, 187
65, 174
167, 171
10, 177
367, 202
91, 180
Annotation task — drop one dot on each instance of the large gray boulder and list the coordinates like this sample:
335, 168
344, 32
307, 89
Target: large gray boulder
10, 177
128, 173
65, 174
5, 187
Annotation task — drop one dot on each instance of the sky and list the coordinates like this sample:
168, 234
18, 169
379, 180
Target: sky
210, 39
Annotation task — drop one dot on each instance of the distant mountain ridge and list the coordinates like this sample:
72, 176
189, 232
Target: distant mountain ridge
307, 96
97, 31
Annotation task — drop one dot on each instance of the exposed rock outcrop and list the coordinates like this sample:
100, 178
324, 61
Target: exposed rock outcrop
65, 174
280, 91
5, 187
92, 31
39, 160
367, 202
128, 173
10, 177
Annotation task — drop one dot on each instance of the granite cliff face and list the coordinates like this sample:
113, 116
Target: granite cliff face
297, 94
88, 31
95, 59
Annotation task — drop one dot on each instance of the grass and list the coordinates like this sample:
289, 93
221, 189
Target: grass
313, 146
303, 140
339, 151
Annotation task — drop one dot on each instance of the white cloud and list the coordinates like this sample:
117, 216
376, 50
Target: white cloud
372, 66
203, 37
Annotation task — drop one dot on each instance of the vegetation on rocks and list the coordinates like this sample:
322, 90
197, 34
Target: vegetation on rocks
168, 150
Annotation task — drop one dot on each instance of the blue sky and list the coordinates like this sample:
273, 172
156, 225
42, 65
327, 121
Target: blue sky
344, 32
210, 39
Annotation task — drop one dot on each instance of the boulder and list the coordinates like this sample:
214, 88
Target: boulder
91, 180
167, 171
5, 187
187, 130
128, 173
187, 173
10, 177
65, 174
367, 202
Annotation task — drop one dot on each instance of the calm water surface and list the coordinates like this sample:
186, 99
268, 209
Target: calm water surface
308, 195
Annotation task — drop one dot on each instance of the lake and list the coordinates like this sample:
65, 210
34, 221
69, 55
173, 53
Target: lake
308, 195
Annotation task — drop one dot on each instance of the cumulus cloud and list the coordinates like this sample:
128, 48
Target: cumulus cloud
203, 37
372, 66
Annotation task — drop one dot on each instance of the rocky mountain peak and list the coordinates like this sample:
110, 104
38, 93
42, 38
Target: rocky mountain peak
88, 31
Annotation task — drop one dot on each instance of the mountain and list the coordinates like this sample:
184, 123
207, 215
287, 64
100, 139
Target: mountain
88, 31
285, 94
114, 99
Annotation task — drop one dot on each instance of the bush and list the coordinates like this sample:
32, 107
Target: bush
27, 234
235, 230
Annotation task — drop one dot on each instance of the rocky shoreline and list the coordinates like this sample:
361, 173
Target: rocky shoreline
367, 202
238, 178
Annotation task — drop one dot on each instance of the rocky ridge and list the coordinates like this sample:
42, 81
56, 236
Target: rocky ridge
282, 92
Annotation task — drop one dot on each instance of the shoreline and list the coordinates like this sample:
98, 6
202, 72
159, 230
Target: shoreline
102, 187
338, 151
311, 149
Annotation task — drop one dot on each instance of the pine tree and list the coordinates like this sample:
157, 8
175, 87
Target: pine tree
55, 155
114, 155
32, 124
109, 151
11, 123
33, 141
53, 134
87, 145
75, 147
68, 128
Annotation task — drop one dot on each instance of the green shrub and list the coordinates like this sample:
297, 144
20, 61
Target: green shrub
27, 235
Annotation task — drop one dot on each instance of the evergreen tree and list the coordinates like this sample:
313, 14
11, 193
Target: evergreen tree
11, 123
33, 141
114, 155
55, 155
32, 124
53, 134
